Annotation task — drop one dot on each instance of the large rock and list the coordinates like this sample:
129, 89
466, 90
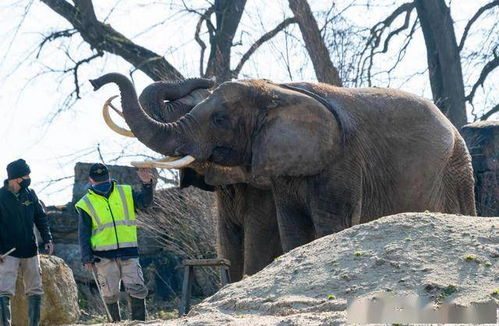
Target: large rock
60, 301
482, 139
72, 257
63, 222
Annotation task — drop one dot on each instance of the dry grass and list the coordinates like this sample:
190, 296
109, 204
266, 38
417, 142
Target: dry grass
182, 221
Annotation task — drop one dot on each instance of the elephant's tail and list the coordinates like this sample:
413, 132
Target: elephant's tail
459, 180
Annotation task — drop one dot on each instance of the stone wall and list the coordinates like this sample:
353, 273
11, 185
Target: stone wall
482, 139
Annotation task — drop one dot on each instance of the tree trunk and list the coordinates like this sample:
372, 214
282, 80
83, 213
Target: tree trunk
325, 71
444, 62
228, 15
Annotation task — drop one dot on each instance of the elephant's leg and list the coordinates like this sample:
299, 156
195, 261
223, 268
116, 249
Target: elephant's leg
230, 246
458, 192
262, 243
295, 226
230, 233
293, 217
335, 201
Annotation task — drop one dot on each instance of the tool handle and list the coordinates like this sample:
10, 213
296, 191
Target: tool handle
101, 295
8, 253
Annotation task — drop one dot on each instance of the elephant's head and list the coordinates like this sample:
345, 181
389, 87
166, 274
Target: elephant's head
266, 128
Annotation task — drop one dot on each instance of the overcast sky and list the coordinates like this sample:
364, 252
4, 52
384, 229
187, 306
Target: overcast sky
27, 103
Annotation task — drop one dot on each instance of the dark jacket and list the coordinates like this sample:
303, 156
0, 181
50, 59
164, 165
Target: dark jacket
140, 200
18, 214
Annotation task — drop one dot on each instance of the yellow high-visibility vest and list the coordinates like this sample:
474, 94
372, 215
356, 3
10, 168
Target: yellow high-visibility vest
113, 218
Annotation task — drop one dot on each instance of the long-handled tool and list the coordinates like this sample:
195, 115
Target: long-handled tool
101, 295
7, 253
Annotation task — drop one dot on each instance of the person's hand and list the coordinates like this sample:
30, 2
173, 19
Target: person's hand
145, 175
49, 247
89, 267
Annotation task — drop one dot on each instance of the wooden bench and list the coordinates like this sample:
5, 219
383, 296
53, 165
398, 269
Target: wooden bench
188, 265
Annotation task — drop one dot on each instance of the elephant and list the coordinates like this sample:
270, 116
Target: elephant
333, 157
247, 232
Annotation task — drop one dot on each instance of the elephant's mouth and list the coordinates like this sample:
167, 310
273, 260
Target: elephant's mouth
227, 156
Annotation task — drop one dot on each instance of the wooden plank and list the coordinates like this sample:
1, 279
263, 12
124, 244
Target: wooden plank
185, 302
207, 262
224, 275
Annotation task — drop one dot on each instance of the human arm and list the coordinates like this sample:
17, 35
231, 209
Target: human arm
144, 198
84, 234
42, 224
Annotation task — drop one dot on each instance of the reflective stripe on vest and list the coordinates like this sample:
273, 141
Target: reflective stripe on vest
113, 219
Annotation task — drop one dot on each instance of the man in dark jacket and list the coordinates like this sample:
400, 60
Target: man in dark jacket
20, 210
108, 237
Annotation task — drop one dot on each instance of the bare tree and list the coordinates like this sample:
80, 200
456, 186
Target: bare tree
102, 38
444, 55
444, 62
324, 69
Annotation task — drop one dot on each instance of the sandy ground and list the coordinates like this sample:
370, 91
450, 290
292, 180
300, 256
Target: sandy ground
442, 260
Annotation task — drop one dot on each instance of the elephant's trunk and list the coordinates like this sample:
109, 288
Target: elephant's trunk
161, 137
153, 98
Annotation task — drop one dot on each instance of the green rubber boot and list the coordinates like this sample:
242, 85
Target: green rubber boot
4, 311
138, 309
34, 306
114, 311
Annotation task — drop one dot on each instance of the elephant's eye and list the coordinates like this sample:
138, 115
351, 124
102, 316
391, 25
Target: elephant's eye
220, 120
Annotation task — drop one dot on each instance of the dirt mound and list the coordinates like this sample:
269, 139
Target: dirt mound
438, 257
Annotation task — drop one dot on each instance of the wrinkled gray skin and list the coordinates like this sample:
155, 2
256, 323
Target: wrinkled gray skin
247, 232
168, 101
335, 157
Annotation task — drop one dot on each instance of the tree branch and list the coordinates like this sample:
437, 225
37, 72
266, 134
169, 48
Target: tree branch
204, 17
487, 115
228, 15
488, 68
324, 68
265, 37
377, 32
473, 19
54, 36
104, 38
75, 71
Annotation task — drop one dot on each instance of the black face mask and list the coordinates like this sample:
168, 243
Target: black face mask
25, 183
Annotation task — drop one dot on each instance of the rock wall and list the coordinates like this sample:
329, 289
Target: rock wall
482, 139
60, 301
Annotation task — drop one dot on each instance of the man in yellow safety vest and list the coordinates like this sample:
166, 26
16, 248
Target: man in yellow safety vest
108, 237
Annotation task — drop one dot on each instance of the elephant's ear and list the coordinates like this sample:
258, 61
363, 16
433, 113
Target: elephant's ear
297, 137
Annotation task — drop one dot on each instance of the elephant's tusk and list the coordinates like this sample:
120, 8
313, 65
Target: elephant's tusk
109, 121
116, 110
149, 164
166, 163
